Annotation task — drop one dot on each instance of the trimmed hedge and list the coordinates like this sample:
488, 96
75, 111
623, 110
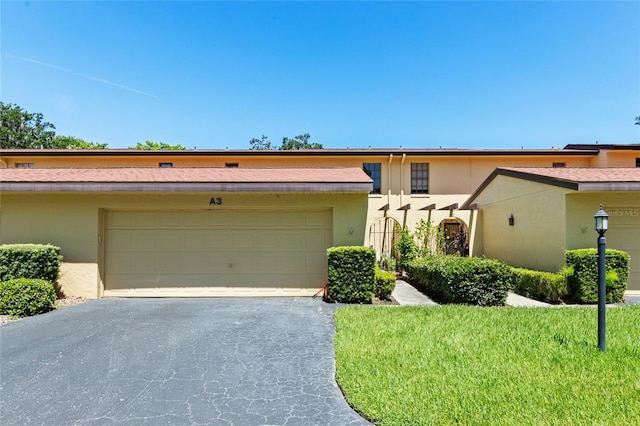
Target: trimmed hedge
583, 284
351, 277
24, 297
385, 284
467, 280
37, 261
543, 286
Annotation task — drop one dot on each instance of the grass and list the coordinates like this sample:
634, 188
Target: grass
487, 366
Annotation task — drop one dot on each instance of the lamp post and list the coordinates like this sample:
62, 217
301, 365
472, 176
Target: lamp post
602, 224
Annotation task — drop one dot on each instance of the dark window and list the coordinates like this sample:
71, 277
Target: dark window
559, 165
419, 178
24, 165
373, 170
231, 164
637, 162
166, 165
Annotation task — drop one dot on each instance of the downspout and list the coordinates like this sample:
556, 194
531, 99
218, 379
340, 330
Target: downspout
404, 157
389, 182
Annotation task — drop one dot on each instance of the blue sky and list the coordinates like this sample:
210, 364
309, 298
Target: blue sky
213, 75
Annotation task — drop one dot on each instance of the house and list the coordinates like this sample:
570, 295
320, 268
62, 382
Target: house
243, 222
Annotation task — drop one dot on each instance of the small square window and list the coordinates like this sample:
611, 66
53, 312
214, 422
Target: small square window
166, 165
637, 162
559, 165
24, 165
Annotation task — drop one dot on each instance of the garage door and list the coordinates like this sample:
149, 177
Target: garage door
627, 238
216, 252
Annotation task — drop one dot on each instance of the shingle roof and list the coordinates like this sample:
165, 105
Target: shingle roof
579, 174
186, 179
579, 179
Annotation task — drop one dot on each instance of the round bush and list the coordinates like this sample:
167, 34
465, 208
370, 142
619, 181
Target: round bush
24, 297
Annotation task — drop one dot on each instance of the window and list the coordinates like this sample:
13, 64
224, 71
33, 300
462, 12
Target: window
166, 165
419, 178
24, 165
231, 165
637, 162
558, 165
373, 170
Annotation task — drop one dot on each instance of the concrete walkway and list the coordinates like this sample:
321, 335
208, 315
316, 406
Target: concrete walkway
406, 294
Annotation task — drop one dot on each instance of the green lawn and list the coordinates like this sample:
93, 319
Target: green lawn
474, 366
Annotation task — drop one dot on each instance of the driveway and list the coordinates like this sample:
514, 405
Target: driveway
174, 361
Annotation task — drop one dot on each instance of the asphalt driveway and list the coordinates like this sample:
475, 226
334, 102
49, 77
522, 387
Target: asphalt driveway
174, 361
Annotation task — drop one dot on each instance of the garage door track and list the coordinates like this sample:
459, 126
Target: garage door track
174, 361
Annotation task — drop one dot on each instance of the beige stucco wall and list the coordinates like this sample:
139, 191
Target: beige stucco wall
72, 222
537, 239
624, 225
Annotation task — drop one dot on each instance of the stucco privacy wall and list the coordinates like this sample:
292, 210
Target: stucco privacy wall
72, 221
537, 238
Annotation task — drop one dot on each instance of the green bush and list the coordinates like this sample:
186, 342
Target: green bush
543, 286
37, 261
406, 248
385, 284
467, 280
24, 297
583, 284
351, 277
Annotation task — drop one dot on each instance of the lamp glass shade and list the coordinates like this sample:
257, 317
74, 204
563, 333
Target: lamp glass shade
602, 220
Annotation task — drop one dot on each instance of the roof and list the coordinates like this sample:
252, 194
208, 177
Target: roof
186, 179
293, 153
575, 178
609, 146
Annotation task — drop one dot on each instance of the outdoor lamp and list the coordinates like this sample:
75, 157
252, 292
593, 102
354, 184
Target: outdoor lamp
602, 221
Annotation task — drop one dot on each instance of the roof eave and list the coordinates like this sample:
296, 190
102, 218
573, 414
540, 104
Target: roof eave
321, 187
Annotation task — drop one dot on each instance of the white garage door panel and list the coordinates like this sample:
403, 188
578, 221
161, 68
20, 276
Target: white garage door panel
193, 253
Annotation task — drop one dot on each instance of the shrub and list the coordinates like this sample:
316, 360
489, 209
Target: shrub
37, 261
468, 280
351, 277
406, 248
387, 263
24, 297
583, 284
385, 284
543, 286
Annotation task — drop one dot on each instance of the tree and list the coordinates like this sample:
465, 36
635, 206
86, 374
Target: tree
261, 144
299, 142
22, 129
150, 145
64, 142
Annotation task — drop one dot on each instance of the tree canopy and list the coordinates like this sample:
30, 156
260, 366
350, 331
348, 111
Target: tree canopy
297, 142
150, 145
75, 143
260, 144
25, 130
22, 129
300, 142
